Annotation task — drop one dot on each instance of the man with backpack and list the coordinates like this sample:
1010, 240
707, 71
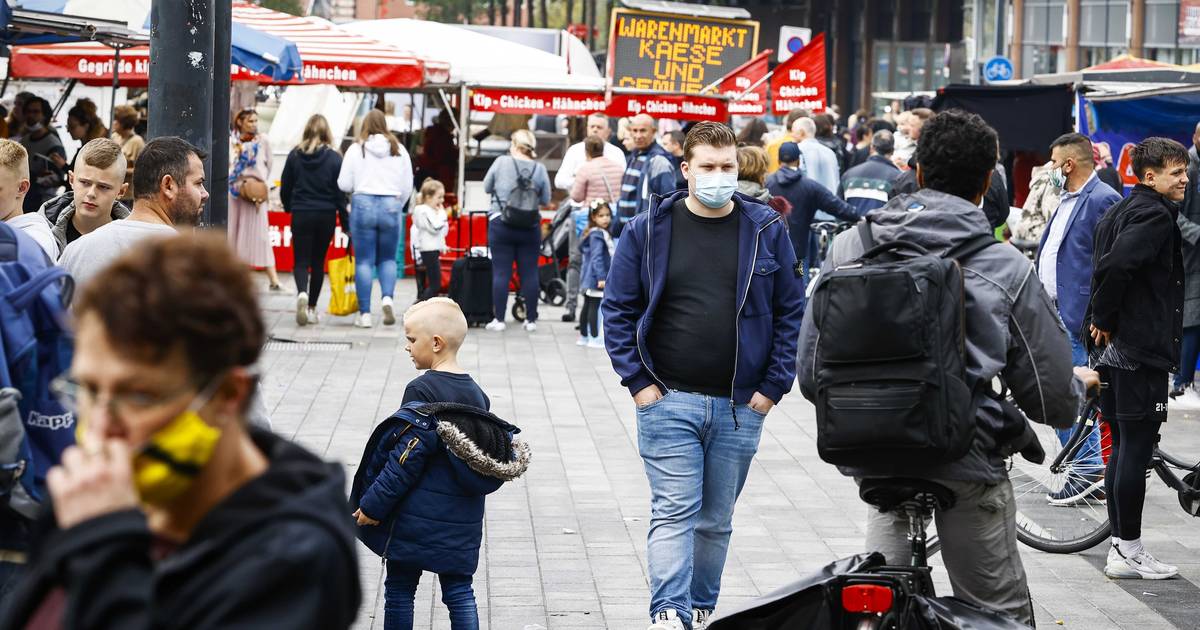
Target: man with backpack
902, 374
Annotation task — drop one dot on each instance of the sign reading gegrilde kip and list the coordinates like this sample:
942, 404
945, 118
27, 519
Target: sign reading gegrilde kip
674, 53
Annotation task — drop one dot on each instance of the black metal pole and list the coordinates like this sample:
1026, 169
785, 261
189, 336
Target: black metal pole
112, 115
181, 76
218, 204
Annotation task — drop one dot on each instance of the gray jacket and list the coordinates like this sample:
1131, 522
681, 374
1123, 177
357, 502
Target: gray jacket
60, 210
1012, 328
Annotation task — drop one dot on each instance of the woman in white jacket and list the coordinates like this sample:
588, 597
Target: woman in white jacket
378, 173
430, 225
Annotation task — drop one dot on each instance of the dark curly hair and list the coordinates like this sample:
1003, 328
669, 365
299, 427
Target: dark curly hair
189, 292
956, 153
1156, 154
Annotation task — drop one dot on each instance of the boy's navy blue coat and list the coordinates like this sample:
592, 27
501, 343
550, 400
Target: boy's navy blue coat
428, 489
769, 310
596, 259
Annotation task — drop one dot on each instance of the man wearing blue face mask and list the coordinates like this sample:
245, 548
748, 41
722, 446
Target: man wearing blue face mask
702, 311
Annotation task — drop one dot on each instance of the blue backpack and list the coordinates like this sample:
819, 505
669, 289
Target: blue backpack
36, 346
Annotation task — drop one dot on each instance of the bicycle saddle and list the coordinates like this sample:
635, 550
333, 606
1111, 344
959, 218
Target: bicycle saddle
887, 494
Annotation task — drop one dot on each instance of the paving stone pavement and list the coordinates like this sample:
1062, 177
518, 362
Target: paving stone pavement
565, 545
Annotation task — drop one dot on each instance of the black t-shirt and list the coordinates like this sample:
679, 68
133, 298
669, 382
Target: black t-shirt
72, 232
443, 387
693, 336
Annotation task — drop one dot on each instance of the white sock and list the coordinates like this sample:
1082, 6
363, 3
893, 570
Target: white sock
1130, 548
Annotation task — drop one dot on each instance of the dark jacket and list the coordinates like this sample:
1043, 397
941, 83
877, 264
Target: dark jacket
1110, 176
1189, 229
1137, 284
309, 182
596, 258
649, 173
768, 316
868, 186
277, 553
1073, 271
1012, 329
60, 210
807, 196
838, 147
431, 467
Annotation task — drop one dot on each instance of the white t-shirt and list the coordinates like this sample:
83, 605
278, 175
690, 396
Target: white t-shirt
575, 157
35, 225
91, 253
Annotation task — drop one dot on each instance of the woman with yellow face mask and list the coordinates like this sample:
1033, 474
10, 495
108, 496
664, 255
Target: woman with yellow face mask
172, 512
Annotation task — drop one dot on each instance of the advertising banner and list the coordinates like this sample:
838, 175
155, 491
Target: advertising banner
504, 101
1189, 22
674, 53
752, 102
673, 106
799, 82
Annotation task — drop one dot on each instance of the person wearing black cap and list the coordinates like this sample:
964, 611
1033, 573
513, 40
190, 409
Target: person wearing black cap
806, 196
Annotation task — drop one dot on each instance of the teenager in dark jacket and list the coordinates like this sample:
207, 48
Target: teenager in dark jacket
806, 196
1135, 321
172, 512
309, 190
868, 185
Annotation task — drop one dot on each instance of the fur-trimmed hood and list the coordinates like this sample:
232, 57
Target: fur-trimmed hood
484, 462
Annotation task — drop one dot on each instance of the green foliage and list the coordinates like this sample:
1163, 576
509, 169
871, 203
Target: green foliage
285, 6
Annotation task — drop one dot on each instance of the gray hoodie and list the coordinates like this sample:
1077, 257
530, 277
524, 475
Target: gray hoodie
1013, 329
60, 210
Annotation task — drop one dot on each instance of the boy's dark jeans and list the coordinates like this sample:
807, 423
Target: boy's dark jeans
400, 589
1188, 354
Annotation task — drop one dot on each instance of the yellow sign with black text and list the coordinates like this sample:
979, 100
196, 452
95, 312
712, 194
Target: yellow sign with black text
675, 53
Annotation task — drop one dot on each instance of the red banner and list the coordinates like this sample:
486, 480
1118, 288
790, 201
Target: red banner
503, 101
742, 83
799, 82
673, 106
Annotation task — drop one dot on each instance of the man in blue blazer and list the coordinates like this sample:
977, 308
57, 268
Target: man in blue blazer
1064, 265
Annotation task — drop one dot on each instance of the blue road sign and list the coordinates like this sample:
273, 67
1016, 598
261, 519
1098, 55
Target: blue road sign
998, 69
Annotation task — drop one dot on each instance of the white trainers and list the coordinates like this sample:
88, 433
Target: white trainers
700, 618
313, 318
1141, 565
582, 341
596, 342
389, 312
363, 320
495, 326
1189, 400
302, 309
666, 620
530, 326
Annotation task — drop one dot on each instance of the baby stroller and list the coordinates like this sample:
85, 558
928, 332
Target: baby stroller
552, 264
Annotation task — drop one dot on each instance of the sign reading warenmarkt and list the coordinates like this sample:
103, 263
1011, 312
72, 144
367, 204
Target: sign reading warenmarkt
673, 53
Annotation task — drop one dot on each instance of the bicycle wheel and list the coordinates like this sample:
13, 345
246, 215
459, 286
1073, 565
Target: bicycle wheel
1060, 502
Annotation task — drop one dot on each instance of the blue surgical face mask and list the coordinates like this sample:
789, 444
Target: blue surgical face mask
716, 189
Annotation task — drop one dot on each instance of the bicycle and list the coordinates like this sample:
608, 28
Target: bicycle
825, 231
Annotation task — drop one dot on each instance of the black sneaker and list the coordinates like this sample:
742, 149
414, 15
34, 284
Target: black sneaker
1176, 392
1077, 489
568, 317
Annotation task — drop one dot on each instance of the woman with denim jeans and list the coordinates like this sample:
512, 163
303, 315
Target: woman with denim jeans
378, 172
510, 243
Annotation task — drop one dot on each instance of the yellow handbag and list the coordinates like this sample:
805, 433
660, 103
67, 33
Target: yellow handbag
344, 298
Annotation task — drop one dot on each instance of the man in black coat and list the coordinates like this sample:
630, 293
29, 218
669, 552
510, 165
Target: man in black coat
1136, 325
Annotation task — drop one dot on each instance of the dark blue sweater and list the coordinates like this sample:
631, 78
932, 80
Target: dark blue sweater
309, 182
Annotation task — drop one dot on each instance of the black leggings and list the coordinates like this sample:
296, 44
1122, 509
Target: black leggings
433, 274
589, 319
311, 234
1125, 476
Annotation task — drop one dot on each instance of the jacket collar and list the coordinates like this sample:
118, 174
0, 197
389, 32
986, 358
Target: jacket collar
1141, 190
751, 208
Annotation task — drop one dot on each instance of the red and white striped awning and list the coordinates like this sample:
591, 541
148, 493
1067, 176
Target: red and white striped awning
331, 56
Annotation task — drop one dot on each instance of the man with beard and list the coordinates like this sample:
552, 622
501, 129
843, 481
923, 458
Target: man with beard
168, 192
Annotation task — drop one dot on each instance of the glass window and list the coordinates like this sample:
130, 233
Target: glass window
883, 67
1103, 22
920, 73
1162, 22
904, 69
1044, 21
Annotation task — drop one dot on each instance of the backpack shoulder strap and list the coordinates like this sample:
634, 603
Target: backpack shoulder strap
864, 234
970, 247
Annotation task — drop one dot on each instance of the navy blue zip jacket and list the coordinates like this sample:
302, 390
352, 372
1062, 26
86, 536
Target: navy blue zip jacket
807, 196
309, 182
769, 311
424, 474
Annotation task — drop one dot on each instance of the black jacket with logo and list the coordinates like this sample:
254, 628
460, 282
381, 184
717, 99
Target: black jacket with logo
1137, 282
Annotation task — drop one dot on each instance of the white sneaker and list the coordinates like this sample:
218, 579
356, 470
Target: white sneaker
700, 618
389, 313
363, 320
1114, 555
530, 326
1188, 401
313, 317
302, 309
666, 620
596, 342
495, 326
582, 341
1141, 565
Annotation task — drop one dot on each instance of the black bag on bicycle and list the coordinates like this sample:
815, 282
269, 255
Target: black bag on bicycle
891, 384
521, 209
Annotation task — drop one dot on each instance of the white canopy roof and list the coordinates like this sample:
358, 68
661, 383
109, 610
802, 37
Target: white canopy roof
476, 58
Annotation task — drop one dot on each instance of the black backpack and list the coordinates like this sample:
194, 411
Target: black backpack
521, 209
889, 361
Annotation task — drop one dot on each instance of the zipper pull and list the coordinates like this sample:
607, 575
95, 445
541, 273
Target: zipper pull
408, 449
733, 409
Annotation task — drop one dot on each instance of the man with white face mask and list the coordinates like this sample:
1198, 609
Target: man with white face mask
702, 311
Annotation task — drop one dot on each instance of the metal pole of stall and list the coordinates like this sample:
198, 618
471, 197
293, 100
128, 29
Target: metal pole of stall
464, 140
218, 203
112, 110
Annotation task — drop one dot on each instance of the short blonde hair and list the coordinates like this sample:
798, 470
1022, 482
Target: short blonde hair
14, 158
442, 317
429, 189
525, 142
102, 153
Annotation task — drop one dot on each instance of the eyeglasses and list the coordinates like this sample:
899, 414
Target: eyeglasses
76, 396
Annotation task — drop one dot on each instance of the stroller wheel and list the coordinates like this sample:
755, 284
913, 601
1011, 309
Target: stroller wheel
555, 293
518, 309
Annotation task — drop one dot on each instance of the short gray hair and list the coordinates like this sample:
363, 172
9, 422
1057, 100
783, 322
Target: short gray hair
807, 125
882, 143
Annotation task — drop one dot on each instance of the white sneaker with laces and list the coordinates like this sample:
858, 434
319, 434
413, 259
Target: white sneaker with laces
530, 326
666, 620
1140, 565
313, 317
389, 312
700, 618
1188, 401
363, 320
582, 341
302, 309
495, 326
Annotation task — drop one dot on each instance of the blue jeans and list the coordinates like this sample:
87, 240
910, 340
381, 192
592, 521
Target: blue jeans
400, 589
375, 230
696, 460
523, 246
1088, 455
1188, 355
